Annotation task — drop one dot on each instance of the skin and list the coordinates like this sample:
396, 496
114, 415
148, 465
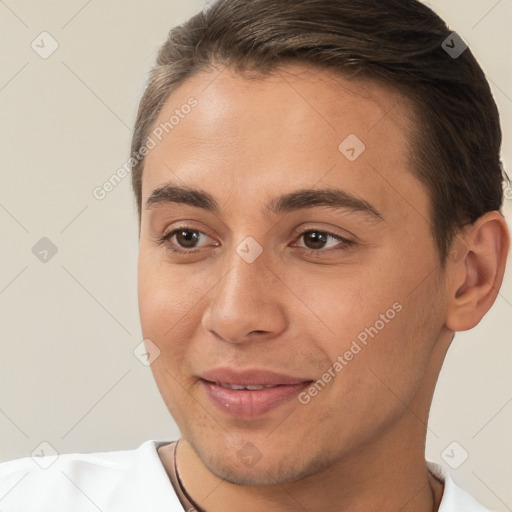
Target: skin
359, 444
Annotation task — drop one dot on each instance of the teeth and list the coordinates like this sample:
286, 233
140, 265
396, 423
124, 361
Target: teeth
249, 388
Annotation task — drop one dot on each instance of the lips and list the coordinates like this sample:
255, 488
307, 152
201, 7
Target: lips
251, 393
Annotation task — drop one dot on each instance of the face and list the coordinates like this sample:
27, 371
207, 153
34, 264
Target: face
308, 272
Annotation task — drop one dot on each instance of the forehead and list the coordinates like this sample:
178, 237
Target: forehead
320, 98
287, 129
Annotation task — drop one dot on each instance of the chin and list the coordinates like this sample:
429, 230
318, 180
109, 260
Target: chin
272, 469
261, 476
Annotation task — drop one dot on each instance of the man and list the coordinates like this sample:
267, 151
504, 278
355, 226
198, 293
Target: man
319, 191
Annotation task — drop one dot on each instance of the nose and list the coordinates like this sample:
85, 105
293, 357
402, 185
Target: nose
247, 304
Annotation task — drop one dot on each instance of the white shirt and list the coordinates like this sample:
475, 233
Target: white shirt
126, 481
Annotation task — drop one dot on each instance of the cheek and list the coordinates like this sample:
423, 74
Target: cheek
166, 296
166, 308
374, 381
378, 336
346, 307
392, 355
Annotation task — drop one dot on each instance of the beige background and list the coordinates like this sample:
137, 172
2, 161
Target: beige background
68, 327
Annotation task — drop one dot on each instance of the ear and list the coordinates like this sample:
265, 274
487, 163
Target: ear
475, 270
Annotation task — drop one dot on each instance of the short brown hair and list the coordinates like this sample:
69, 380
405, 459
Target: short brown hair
456, 143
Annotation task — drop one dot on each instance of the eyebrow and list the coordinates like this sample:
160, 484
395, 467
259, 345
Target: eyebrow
336, 199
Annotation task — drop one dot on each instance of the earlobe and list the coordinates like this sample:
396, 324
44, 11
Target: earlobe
476, 273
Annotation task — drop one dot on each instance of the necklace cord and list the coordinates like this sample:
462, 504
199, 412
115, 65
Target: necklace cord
180, 483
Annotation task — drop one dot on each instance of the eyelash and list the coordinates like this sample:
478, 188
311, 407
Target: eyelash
347, 244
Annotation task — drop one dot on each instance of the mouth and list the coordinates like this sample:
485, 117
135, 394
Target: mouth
251, 393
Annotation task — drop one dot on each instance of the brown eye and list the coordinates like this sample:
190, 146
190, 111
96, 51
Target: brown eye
182, 240
186, 238
316, 240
